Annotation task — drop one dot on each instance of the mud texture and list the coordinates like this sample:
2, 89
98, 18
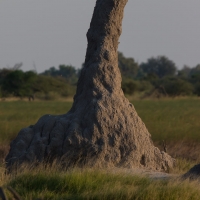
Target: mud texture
102, 128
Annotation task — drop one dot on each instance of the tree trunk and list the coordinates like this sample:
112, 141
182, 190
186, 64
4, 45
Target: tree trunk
102, 128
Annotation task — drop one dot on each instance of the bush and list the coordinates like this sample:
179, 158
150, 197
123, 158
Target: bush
197, 89
160, 66
48, 85
144, 86
176, 86
19, 83
129, 87
128, 67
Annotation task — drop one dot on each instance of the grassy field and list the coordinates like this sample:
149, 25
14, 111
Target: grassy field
93, 184
171, 120
174, 120
16, 115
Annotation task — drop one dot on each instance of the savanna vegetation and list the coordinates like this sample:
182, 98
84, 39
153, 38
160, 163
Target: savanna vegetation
176, 121
173, 120
97, 184
157, 77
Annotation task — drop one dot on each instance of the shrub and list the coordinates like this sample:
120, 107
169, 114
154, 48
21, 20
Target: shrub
144, 86
129, 86
176, 86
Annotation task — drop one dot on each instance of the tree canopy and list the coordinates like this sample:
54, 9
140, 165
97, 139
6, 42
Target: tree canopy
67, 71
128, 66
157, 72
160, 66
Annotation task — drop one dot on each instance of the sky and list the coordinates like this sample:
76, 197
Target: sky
46, 33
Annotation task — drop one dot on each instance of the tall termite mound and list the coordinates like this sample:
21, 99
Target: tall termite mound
102, 128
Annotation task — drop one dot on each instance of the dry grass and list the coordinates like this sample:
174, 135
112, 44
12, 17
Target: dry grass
175, 121
51, 183
4, 149
188, 150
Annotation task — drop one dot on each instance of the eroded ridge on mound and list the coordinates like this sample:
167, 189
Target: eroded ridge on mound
102, 128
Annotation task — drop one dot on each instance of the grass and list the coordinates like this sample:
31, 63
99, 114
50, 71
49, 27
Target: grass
176, 121
171, 120
98, 184
16, 115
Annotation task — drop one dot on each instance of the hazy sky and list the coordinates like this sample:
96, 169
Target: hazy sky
52, 32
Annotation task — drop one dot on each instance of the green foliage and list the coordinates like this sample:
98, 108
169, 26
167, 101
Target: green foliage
3, 73
160, 66
144, 85
66, 71
25, 84
127, 66
157, 72
47, 84
176, 86
129, 86
69, 72
195, 79
195, 70
197, 88
19, 83
184, 72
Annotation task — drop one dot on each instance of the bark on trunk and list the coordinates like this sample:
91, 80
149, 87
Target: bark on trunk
102, 128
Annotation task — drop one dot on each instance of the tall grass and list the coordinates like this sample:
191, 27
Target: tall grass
16, 115
98, 184
171, 120
174, 120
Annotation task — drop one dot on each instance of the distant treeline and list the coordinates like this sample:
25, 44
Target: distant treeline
158, 76
17, 83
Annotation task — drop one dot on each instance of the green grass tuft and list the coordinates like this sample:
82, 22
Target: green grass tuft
97, 184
